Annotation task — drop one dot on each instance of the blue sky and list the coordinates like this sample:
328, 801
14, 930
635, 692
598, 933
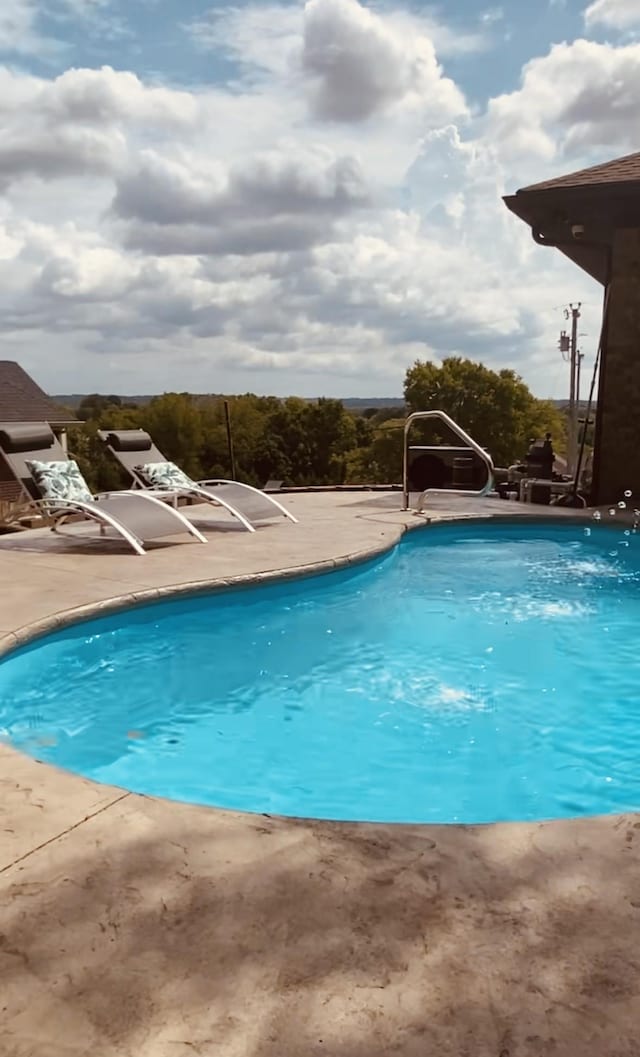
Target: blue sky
152, 38
295, 197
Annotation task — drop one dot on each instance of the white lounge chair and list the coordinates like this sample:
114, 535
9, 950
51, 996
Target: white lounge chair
54, 486
144, 462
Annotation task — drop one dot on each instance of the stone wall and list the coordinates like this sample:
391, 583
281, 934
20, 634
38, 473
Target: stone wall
617, 445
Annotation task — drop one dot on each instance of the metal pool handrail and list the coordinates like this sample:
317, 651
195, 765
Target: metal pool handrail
469, 441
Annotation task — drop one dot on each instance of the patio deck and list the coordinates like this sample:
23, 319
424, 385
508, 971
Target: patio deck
137, 927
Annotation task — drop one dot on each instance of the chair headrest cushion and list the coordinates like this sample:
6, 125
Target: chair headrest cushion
129, 440
32, 436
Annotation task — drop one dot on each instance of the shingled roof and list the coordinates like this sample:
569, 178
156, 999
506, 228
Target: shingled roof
624, 170
22, 400
579, 213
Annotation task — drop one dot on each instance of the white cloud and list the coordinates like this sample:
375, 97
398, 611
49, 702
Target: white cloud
614, 14
350, 62
361, 64
578, 97
22, 33
91, 273
49, 155
78, 122
280, 200
370, 292
18, 33
267, 37
317, 224
106, 95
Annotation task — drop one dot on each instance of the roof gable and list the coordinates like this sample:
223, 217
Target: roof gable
22, 400
620, 170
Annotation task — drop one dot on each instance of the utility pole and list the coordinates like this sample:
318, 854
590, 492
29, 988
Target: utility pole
575, 316
569, 345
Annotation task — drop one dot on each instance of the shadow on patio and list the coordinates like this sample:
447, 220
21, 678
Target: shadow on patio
155, 930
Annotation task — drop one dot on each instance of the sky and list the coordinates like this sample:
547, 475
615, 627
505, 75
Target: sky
296, 198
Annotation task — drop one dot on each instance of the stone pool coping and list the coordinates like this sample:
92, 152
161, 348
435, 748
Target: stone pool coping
118, 603
26, 633
137, 927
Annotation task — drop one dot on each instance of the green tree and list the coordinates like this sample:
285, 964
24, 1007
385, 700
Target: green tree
291, 444
175, 422
495, 407
100, 470
249, 416
379, 461
92, 406
333, 434
319, 442
307, 442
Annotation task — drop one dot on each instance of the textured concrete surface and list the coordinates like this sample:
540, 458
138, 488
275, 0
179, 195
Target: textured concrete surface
133, 927
55, 574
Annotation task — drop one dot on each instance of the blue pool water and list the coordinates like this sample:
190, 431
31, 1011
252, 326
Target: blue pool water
479, 672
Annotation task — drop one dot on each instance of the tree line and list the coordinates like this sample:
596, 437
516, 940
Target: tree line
319, 442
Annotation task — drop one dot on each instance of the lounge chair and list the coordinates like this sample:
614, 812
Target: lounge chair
54, 486
148, 468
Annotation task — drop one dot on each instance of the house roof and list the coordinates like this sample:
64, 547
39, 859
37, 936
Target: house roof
624, 170
22, 400
580, 212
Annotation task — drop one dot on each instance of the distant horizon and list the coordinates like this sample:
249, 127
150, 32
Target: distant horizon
74, 399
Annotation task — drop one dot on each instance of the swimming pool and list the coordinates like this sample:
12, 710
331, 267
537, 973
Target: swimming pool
479, 672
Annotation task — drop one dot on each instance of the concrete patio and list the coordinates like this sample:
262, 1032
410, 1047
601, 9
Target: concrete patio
135, 927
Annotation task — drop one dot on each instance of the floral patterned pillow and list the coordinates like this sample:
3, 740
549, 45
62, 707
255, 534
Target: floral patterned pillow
164, 476
60, 480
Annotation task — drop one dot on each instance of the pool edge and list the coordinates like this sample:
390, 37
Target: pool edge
77, 614
64, 618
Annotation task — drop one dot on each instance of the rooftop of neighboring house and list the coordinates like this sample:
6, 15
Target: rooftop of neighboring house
22, 399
